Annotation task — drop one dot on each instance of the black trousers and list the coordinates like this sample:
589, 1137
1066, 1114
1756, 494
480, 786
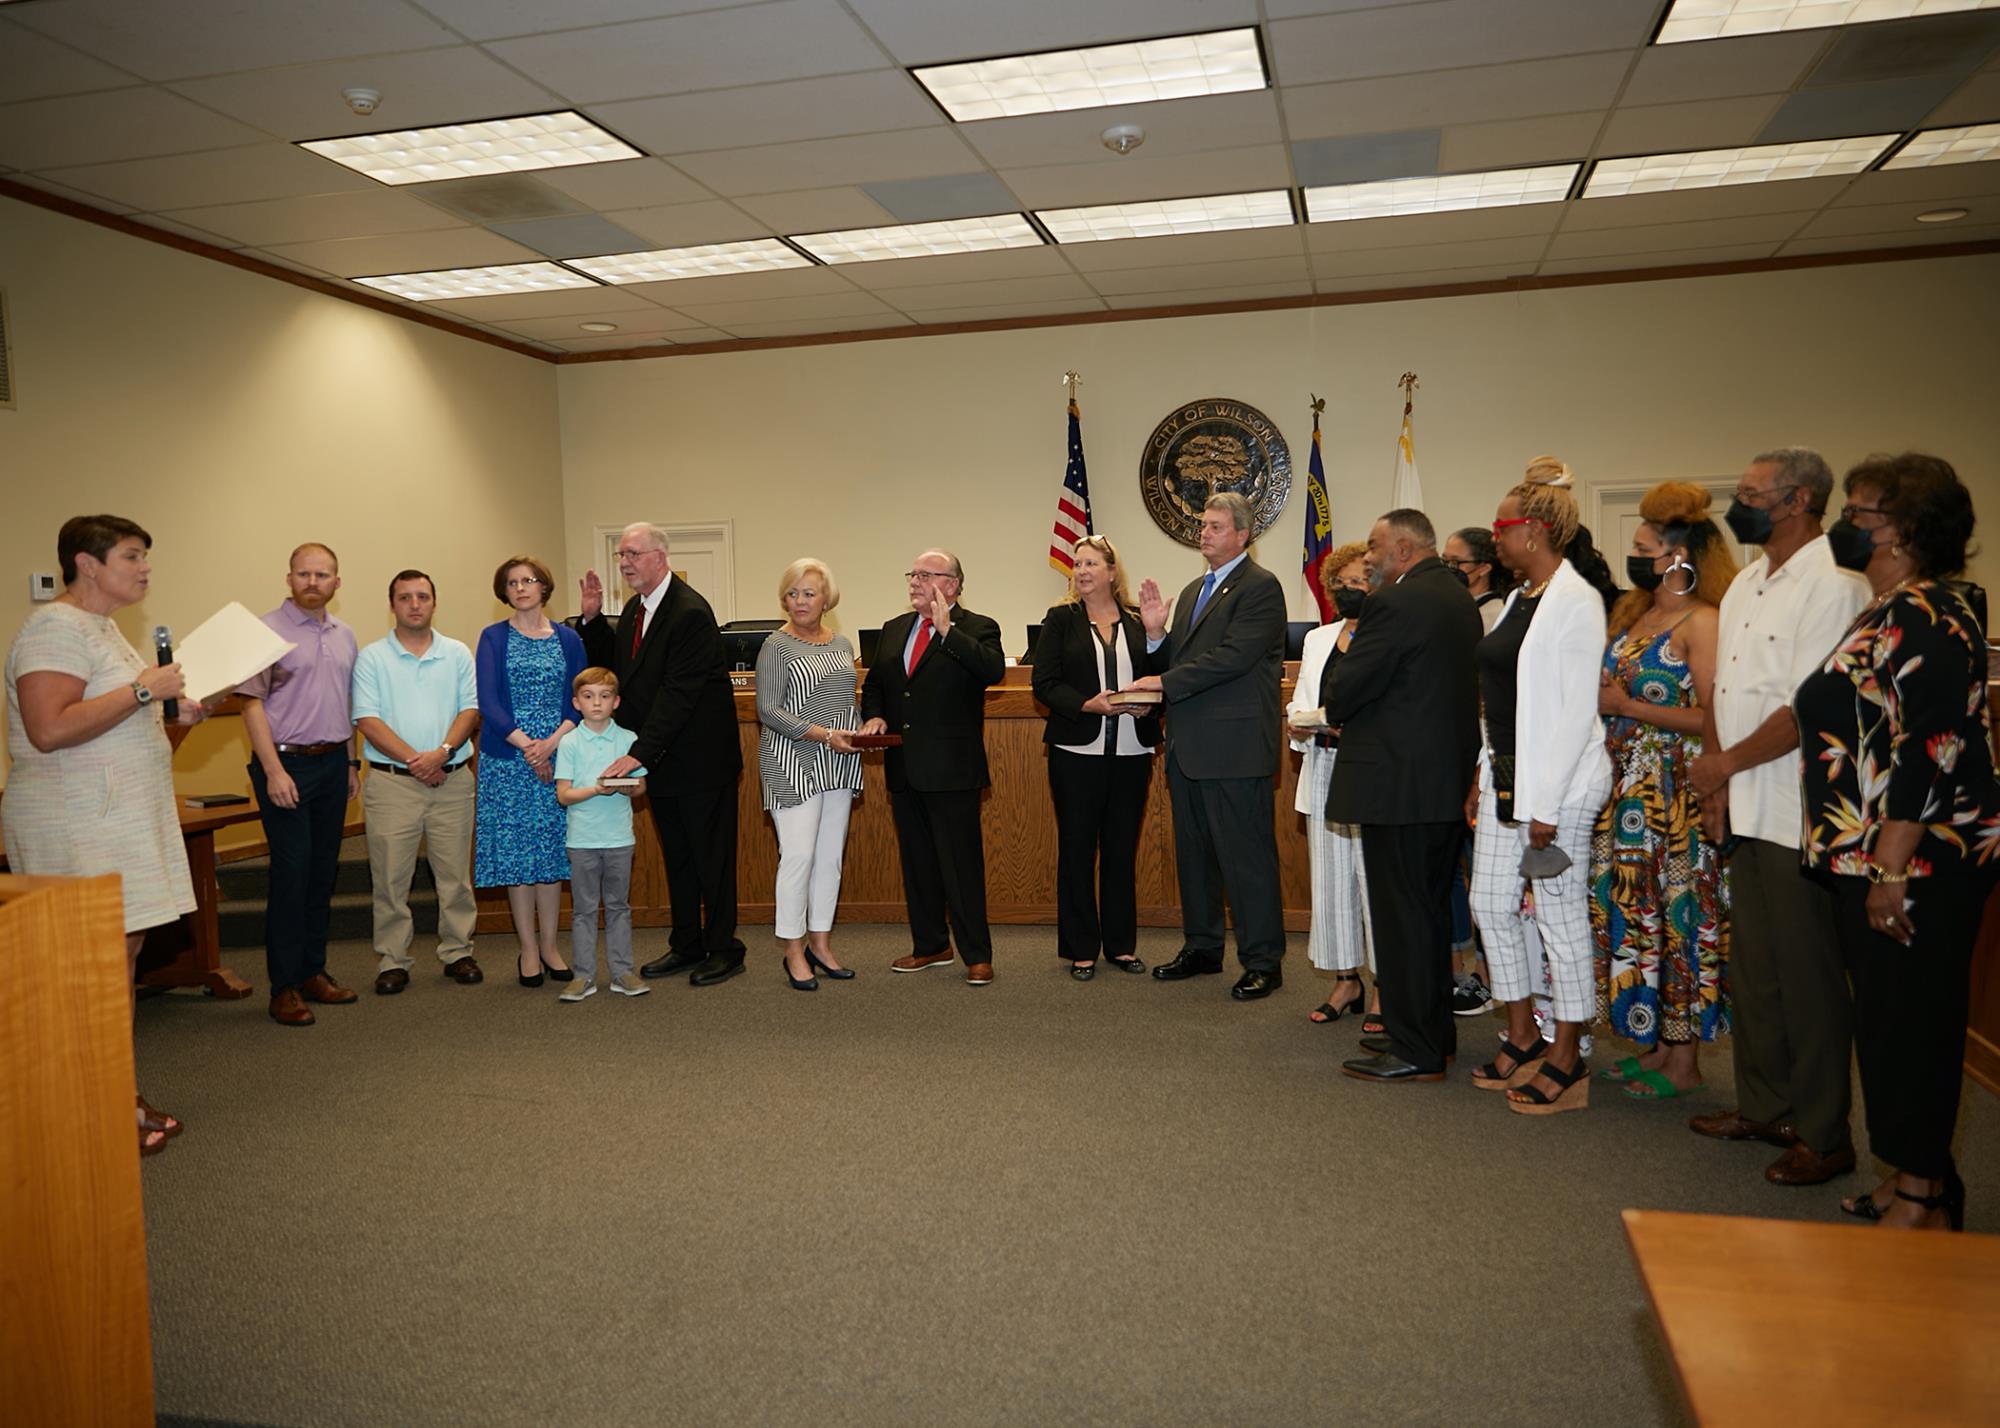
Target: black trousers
944, 871
698, 846
1910, 1009
1225, 843
1100, 804
305, 859
1409, 873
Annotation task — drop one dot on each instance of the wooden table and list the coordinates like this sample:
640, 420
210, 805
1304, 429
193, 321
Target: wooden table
1832, 1324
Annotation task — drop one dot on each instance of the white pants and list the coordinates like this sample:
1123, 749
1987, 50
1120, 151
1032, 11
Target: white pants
1562, 907
1342, 936
812, 838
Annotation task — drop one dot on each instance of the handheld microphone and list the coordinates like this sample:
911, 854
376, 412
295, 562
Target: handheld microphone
163, 646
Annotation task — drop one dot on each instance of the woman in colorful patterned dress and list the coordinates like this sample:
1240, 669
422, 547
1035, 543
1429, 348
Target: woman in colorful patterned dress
1659, 902
1902, 819
526, 665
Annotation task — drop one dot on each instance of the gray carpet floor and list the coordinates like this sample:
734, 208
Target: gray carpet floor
899, 1200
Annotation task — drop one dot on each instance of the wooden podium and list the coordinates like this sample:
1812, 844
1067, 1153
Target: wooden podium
76, 1345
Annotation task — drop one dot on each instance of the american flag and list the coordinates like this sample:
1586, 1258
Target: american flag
1072, 500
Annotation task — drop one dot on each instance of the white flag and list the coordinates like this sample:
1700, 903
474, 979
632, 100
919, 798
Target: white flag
1408, 493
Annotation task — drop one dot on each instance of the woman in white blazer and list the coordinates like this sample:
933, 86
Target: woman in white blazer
1544, 775
1341, 938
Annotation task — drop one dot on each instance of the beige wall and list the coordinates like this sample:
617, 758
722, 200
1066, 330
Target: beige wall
234, 416
865, 453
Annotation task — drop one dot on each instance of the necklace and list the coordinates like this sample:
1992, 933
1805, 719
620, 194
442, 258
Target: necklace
1894, 590
1531, 592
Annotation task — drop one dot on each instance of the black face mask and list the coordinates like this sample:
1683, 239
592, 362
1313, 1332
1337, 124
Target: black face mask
1458, 574
1348, 602
1639, 570
1748, 524
1853, 547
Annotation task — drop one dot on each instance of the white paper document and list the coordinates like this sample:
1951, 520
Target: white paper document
227, 648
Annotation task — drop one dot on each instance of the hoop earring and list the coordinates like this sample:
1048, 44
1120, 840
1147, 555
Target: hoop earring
1680, 563
1531, 545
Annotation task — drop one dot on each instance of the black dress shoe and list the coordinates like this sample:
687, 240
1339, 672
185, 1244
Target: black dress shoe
1254, 984
1186, 964
719, 968
1386, 1067
673, 964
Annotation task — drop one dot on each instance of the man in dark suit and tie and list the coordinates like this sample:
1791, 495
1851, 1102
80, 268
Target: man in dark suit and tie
928, 684
674, 693
1225, 656
1406, 699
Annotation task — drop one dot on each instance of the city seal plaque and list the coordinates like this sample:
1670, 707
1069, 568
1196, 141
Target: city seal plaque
1206, 447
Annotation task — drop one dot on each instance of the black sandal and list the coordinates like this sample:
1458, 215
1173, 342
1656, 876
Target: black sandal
1862, 1207
1327, 1012
1491, 1078
1951, 1201
1573, 1093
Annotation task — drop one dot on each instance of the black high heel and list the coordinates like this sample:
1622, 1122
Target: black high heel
1326, 1012
560, 974
810, 984
839, 974
526, 980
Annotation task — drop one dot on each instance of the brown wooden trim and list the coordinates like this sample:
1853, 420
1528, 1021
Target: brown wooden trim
243, 852
132, 228
1982, 1061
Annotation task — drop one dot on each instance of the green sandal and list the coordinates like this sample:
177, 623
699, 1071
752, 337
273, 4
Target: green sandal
1662, 1089
1627, 1069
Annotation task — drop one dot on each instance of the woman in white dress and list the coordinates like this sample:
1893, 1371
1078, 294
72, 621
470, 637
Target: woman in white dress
1341, 938
92, 789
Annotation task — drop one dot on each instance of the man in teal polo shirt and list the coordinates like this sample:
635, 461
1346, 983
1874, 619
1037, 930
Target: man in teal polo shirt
417, 706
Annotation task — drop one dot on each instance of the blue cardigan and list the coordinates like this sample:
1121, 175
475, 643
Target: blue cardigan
496, 700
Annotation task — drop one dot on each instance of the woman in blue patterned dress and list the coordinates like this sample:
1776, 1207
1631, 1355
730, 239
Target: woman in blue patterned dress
1659, 902
525, 665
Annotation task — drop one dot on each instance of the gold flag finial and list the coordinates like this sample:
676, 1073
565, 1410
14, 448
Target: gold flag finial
1318, 404
1070, 380
1408, 382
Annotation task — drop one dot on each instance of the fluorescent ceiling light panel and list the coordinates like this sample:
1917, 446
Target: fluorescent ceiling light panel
486, 146
1723, 19
1137, 72
1719, 168
1971, 144
477, 282
1440, 193
1216, 214
706, 261
918, 240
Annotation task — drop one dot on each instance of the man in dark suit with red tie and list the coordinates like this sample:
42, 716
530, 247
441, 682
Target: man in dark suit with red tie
674, 693
928, 683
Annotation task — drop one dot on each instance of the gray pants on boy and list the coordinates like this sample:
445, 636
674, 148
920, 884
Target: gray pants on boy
600, 878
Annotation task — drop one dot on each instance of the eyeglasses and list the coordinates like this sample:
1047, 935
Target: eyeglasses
626, 553
927, 576
524, 582
1499, 526
1848, 513
1745, 496
1450, 564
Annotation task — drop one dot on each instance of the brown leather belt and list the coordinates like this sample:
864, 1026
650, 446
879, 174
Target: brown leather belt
309, 750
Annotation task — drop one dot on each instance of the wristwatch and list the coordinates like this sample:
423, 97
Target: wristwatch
141, 693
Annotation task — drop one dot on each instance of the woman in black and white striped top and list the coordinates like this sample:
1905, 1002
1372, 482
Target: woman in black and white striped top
805, 702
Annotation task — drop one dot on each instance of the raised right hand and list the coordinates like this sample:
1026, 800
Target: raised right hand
1153, 610
590, 595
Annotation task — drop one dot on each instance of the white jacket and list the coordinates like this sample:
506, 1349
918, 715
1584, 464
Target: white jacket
1305, 695
1558, 736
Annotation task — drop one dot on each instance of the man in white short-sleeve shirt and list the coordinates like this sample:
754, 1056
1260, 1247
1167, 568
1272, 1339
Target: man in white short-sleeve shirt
1792, 1016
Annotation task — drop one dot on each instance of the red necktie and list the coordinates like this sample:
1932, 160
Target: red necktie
638, 629
923, 642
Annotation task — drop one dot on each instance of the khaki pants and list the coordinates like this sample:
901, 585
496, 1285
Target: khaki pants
401, 815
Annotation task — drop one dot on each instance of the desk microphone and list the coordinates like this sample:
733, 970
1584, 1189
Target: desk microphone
163, 646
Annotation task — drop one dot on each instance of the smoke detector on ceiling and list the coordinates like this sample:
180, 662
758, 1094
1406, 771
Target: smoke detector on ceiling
1122, 139
361, 99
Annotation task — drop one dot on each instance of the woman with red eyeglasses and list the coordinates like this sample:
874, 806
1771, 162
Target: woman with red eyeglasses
1544, 775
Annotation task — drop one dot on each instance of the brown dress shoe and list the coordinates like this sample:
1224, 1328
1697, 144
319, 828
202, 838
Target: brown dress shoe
914, 963
1800, 1166
979, 974
464, 970
388, 983
1734, 1125
321, 988
288, 1008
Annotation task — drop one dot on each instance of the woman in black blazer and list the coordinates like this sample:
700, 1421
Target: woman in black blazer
1100, 759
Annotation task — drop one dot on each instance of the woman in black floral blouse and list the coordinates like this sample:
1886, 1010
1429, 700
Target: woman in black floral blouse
1902, 818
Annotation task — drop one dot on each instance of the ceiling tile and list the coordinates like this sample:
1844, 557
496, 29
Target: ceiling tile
218, 176
772, 113
408, 252
1409, 39
1524, 90
1900, 218
1929, 45
684, 225
1691, 204
716, 49
1173, 126
1916, 185
700, 334
1060, 288
1181, 276
785, 309
171, 39
888, 277
1834, 113
1513, 143
737, 287
926, 32
807, 326
1173, 248
427, 87
817, 210
1977, 101
1745, 64
863, 158
32, 67
932, 200
1363, 158
1002, 312
1180, 297
1679, 258
1676, 128
1137, 177
497, 19
317, 216
1422, 278
1921, 238
1518, 254
110, 125
1667, 237
644, 321
1463, 226
575, 235
629, 183
557, 302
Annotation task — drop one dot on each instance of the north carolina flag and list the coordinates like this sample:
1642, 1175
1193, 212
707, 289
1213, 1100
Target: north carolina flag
1319, 526
1072, 501
1408, 492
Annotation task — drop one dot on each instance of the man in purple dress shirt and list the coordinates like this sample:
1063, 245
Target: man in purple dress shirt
303, 771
